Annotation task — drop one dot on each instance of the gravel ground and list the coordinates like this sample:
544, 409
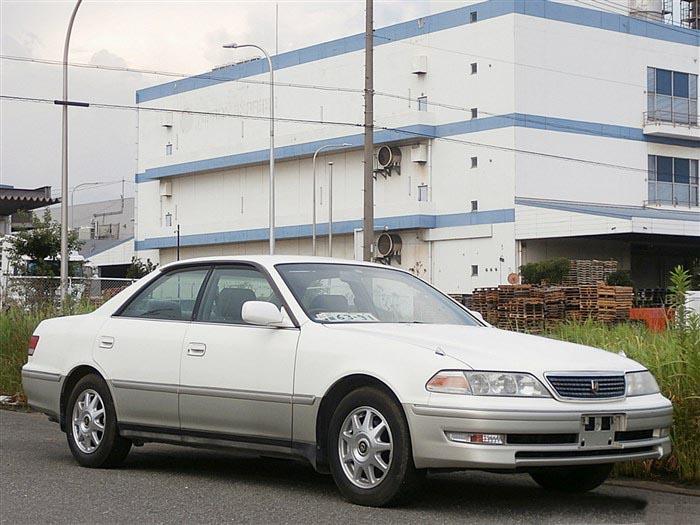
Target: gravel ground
40, 483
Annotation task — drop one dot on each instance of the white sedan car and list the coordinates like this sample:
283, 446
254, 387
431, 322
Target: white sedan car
363, 370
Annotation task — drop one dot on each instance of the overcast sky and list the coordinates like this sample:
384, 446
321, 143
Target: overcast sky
176, 36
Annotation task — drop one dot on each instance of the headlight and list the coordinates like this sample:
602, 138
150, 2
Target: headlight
511, 384
641, 384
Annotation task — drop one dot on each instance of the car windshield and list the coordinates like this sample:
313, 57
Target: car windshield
349, 293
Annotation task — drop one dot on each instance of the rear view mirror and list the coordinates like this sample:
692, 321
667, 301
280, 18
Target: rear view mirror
262, 313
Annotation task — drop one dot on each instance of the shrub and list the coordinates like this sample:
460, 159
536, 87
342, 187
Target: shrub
551, 271
619, 278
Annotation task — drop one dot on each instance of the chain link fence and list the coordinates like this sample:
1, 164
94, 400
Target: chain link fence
33, 293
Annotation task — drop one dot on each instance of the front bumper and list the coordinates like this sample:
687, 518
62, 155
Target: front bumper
433, 449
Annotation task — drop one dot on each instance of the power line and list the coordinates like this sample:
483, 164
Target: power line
384, 94
347, 124
102, 105
514, 150
203, 76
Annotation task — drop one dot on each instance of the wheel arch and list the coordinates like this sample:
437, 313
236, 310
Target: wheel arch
69, 383
330, 400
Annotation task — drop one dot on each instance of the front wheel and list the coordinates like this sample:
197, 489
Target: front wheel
91, 425
369, 449
579, 478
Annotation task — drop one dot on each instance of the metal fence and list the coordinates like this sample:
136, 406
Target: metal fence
41, 292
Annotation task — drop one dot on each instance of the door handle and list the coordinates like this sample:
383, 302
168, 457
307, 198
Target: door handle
106, 342
196, 349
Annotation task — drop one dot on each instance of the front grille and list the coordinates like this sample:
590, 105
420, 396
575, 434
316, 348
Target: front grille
588, 386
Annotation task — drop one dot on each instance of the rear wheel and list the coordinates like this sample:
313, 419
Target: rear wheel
579, 478
91, 425
369, 449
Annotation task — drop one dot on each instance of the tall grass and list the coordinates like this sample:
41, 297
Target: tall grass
16, 326
673, 357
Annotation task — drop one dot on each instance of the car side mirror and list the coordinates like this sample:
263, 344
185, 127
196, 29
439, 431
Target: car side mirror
262, 313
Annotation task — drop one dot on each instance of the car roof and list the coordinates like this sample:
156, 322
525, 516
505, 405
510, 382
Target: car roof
269, 260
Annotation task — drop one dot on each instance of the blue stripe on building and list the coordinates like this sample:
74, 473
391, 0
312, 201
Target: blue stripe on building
619, 212
405, 222
546, 9
409, 133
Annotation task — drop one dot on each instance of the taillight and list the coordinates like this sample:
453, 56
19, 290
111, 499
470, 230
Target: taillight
33, 341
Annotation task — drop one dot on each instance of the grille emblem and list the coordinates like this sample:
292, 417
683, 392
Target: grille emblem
594, 386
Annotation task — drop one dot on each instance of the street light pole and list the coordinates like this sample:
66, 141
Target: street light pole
313, 198
330, 209
72, 199
272, 138
64, 161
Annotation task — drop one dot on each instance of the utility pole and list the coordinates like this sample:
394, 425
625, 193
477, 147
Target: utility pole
368, 208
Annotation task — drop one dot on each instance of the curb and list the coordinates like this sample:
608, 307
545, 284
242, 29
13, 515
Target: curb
655, 486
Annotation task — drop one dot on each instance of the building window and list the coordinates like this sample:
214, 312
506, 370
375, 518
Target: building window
672, 96
168, 149
473, 68
168, 219
475, 270
475, 112
474, 162
423, 103
423, 193
475, 205
673, 181
472, 17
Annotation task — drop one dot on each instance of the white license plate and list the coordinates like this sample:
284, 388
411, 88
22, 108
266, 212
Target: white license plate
598, 430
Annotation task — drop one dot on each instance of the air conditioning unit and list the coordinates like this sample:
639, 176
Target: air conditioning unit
166, 189
419, 153
420, 65
388, 247
388, 161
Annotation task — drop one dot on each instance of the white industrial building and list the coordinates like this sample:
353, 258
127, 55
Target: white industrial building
520, 130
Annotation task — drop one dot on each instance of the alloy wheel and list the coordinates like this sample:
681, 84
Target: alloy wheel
365, 447
88, 421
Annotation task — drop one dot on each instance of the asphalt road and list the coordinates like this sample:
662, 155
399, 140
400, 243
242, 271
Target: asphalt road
40, 483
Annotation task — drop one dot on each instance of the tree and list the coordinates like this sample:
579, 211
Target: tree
41, 245
139, 269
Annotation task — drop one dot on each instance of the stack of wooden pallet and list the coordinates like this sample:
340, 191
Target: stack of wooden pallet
588, 301
554, 303
533, 308
572, 302
588, 271
624, 300
607, 304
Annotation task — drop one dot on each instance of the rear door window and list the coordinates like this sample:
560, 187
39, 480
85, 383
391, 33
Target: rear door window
171, 296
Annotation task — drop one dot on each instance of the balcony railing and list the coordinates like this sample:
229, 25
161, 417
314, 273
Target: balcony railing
660, 116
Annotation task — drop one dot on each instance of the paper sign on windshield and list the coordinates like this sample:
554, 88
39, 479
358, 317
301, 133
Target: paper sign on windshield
346, 317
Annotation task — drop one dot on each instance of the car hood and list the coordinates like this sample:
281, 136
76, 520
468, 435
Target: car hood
483, 348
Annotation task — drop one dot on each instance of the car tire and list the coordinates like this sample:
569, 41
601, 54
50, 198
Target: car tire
580, 478
91, 425
369, 430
